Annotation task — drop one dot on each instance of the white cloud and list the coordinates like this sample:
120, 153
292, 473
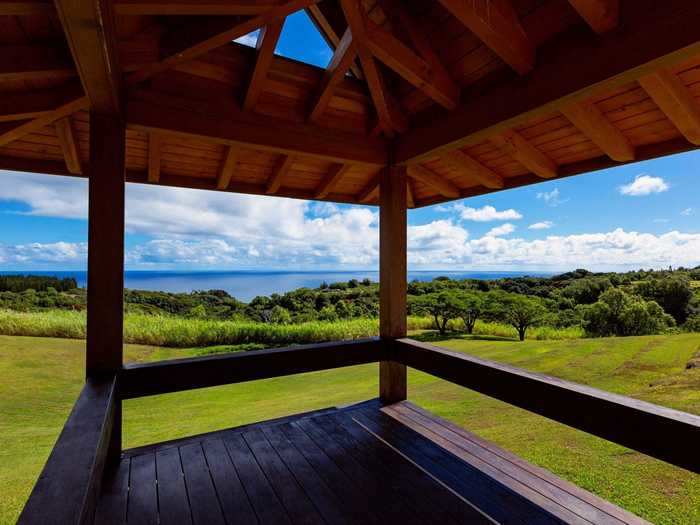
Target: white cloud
551, 198
543, 225
250, 40
504, 229
644, 185
687, 212
484, 214
43, 253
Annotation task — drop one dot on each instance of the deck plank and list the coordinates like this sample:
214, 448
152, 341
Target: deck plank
142, 508
111, 509
173, 504
204, 501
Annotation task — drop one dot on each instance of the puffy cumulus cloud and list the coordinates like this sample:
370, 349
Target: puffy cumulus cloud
43, 253
551, 198
644, 185
485, 213
543, 225
48, 196
498, 231
439, 242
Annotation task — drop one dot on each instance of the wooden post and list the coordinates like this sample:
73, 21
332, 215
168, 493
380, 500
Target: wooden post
392, 277
105, 318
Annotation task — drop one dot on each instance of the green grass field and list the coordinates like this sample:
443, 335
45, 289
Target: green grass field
42, 377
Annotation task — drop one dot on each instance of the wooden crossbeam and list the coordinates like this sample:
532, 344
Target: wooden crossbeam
192, 7
435, 181
343, 57
36, 103
331, 180
676, 101
284, 164
26, 7
89, 29
514, 145
267, 41
220, 38
591, 122
330, 21
227, 167
601, 15
497, 25
31, 126
410, 194
473, 169
154, 143
29, 62
66, 138
370, 190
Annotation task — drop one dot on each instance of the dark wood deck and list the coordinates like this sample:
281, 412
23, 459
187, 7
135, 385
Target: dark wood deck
360, 464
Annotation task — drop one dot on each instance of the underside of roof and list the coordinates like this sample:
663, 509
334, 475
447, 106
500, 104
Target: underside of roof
471, 96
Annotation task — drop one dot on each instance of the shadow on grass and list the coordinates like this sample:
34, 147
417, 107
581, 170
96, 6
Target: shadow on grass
435, 336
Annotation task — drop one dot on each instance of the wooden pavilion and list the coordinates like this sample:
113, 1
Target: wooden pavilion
422, 102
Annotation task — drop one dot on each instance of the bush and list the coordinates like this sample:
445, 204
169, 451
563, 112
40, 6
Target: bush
692, 324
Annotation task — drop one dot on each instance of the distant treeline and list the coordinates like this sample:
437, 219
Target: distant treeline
39, 283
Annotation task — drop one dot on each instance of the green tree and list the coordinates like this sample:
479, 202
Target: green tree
522, 312
470, 307
280, 315
672, 293
441, 306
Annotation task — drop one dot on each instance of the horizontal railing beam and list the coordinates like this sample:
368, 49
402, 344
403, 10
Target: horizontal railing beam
657, 431
200, 372
68, 487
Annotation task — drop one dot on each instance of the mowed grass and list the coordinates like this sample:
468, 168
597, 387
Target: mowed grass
42, 377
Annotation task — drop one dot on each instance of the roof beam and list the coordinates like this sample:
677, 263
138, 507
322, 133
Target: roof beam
284, 164
331, 180
66, 138
410, 194
473, 169
657, 34
192, 7
592, 123
343, 57
513, 144
676, 102
332, 25
26, 7
228, 166
89, 29
435, 181
33, 104
29, 62
154, 143
497, 25
601, 15
370, 190
267, 41
219, 37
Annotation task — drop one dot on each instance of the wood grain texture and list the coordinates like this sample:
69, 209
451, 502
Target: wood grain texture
66, 137
591, 121
601, 15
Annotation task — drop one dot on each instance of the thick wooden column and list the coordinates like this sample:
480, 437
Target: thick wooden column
105, 318
392, 277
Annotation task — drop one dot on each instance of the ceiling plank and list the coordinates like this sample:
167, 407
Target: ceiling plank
154, 147
343, 58
676, 102
26, 7
31, 126
30, 62
66, 138
435, 181
192, 7
220, 38
410, 194
592, 123
513, 144
473, 169
601, 15
228, 166
370, 190
657, 34
284, 164
331, 180
265, 47
497, 25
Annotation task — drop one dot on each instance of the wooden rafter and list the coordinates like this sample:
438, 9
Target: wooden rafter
192, 7
370, 190
37, 103
331, 29
29, 62
435, 181
601, 15
220, 37
66, 138
410, 194
267, 41
343, 57
284, 164
591, 122
473, 169
228, 166
676, 101
36, 124
497, 25
513, 144
154, 154
331, 180
26, 7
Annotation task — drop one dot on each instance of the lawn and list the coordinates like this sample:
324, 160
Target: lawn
42, 376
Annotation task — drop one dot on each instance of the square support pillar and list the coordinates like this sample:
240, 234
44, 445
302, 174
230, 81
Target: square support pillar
392, 277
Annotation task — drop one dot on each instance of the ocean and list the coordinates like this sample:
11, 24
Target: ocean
244, 285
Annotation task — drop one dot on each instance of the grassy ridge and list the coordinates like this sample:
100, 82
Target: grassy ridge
180, 332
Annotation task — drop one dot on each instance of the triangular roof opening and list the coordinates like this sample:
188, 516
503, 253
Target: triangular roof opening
300, 40
250, 40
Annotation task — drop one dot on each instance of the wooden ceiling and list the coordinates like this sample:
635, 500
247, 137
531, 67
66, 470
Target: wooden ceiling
472, 96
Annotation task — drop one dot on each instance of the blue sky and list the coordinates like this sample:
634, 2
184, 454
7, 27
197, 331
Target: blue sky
639, 215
